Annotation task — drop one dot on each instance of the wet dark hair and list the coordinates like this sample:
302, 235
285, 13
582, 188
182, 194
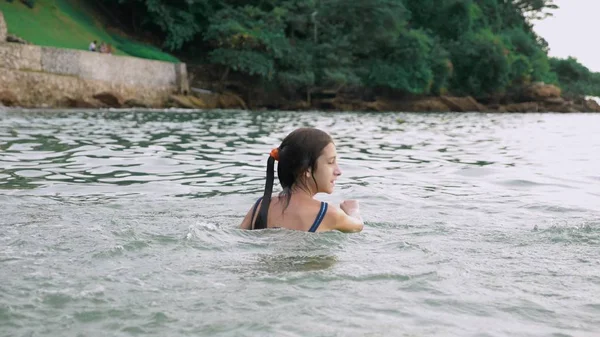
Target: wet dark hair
298, 153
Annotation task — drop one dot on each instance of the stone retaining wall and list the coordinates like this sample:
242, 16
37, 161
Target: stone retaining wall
47, 77
3, 30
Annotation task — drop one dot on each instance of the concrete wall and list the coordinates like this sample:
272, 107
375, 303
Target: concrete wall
117, 69
39, 89
95, 66
3, 29
47, 77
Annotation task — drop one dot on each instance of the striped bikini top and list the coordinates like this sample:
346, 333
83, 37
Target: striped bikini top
315, 224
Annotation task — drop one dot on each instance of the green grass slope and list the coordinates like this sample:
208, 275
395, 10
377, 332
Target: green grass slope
70, 24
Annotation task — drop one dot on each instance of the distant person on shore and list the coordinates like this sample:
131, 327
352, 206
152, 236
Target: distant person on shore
307, 165
92, 46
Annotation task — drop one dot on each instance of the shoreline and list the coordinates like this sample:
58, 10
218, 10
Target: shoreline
15, 109
535, 98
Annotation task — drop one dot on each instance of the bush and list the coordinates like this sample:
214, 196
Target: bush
406, 66
574, 78
524, 45
520, 70
481, 64
28, 3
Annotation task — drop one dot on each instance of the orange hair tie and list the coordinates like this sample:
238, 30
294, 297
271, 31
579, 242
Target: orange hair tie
275, 154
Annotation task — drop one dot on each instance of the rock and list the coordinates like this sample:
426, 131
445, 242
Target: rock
555, 101
3, 28
324, 104
591, 105
205, 100
378, 105
16, 39
429, 105
577, 108
89, 104
181, 101
384, 104
209, 103
67, 102
520, 107
495, 107
291, 106
81, 103
425, 104
346, 104
554, 104
340, 103
134, 103
540, 91
301, 105
7, 98
231, 101
110, 99
462, 104
557, 108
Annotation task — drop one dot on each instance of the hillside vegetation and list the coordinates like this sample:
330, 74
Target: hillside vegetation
418, 47
70, 24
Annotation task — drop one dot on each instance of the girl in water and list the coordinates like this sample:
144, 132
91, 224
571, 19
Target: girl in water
307, 165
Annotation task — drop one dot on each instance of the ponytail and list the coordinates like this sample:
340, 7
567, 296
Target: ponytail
261, 220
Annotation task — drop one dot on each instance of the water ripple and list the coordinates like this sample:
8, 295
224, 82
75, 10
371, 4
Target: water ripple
126, 222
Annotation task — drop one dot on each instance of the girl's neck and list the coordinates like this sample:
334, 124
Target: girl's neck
302, 192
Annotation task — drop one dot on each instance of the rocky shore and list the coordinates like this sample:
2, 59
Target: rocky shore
537, 97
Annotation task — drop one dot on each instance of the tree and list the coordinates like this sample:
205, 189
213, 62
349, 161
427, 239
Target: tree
481, 64
535, 9
467, 47
247, 39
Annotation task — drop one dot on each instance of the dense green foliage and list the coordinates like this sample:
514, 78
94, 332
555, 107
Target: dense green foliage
574, 78
480, 48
